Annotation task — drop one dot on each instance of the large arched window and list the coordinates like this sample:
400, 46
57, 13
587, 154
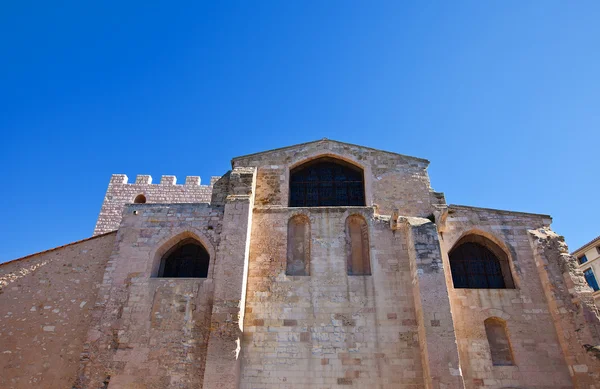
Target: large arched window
326, 182
357, 238
495, 330
478, 263
187, 259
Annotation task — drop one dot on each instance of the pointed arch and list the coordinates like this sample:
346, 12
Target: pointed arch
298, 246
357, 238
477, 262
175, 239
326, 181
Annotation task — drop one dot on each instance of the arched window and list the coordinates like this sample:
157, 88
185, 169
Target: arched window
139, 199
298, 246
187, 259
495, 329
357, 237
478, 263
326, 182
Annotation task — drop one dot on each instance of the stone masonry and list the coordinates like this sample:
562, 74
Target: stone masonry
99, 313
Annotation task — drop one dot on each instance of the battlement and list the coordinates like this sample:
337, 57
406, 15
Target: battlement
120, 193
143, 179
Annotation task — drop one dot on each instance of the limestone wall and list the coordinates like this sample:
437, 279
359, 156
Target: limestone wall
391, 180
148, 331
46, 301
120, 193
539, 361
329, 328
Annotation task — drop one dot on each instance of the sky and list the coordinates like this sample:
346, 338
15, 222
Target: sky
502, 97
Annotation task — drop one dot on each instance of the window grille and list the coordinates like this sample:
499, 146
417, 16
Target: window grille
475, 266
188, 259
326, 182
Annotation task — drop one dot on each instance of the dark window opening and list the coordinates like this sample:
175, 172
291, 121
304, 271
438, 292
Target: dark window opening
326, 182
140, 199
188, 259
583, 259
478, 263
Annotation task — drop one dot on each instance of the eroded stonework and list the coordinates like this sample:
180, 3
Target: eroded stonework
300, 297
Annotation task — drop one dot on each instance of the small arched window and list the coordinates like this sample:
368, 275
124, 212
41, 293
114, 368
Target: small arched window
139, 199
298, 246
478, 263
187, 259
357, 238
495, 330
326, 182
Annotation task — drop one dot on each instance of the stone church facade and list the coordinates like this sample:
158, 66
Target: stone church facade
319, 265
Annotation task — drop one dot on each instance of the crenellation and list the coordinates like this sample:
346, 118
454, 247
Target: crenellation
142, 179
168, 180
192, 180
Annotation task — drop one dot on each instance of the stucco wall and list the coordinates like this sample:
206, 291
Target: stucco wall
45, 312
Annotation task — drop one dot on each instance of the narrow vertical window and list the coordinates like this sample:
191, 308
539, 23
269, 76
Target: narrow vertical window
495, 329
298, 246
357, 237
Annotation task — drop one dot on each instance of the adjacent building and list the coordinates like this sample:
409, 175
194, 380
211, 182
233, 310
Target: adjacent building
588, 258
318, 265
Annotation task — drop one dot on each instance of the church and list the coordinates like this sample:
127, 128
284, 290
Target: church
318, 265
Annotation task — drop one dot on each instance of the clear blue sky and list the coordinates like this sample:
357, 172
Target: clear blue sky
502, 97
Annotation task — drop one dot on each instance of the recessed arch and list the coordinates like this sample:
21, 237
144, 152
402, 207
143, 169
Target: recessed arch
357, 243
326, 181
477, 262
172, 238
298, 246
186, 259
497, 336
140, 199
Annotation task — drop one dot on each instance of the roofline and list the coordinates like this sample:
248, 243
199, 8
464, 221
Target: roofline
331, 140
499, 210
59, 247
585, 246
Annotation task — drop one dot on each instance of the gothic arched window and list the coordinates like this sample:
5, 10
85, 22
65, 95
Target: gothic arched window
298, 246
326, 182
357, 237
495, 330
478, 263
187, 259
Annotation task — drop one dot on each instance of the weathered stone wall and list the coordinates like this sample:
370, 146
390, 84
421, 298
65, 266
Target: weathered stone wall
147, 331
329, 328
574, 313
539, 361
45, 312
392, 181
120, 193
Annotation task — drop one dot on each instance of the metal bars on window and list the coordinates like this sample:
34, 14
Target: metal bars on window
325, 183
475, 266
186, 260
